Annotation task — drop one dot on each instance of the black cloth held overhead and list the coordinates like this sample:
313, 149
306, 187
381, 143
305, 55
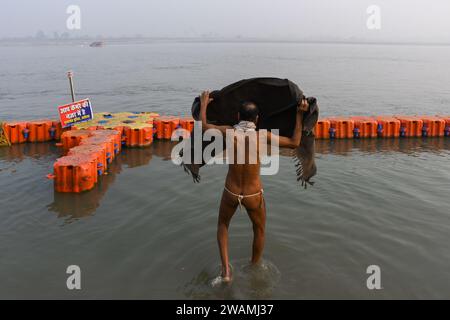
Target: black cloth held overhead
277, 101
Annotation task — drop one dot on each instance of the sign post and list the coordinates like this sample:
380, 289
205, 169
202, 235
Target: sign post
75, 112
72, 91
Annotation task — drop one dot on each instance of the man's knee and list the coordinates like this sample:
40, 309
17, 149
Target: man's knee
259, 228
223, 222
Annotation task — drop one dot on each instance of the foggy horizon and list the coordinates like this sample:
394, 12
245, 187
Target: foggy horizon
320, 20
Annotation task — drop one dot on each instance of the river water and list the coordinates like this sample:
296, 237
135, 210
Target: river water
146, 231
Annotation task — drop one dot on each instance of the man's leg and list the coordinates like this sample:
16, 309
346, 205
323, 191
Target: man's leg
226, 212
257, 215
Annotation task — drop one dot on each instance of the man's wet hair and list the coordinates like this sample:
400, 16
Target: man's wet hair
248, 111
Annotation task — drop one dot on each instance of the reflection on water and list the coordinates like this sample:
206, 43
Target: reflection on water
74, 206
367, 206
131, 158
370, 146
249, 282
16, 153
163, 149
79, 205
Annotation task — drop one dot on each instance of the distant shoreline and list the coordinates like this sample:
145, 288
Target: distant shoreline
118, 41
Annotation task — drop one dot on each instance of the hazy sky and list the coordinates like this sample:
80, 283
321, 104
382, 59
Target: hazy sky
401, 20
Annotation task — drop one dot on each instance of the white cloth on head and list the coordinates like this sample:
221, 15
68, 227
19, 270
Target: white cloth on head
245, 126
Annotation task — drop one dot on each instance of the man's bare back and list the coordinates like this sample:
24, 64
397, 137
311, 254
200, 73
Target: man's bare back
244, 178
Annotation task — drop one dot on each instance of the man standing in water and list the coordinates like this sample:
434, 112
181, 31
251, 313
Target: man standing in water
243, 183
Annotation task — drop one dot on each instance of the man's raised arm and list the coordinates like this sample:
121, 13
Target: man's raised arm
204, 102
294, 141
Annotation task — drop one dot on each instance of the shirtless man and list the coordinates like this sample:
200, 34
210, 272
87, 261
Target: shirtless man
243, 183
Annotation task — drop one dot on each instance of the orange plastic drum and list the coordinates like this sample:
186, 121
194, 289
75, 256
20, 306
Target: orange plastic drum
106, 142
75, 173
341, 128
138, 137
388, 126
322, 130
433, 126
97, 151
114, 134
17, 132
150, 121
410, 126
169, 127
164, 126
119, 128
123, 138
39, 130
187, 124
73, 138
447, 125
365, 127
158, 127
56, 130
